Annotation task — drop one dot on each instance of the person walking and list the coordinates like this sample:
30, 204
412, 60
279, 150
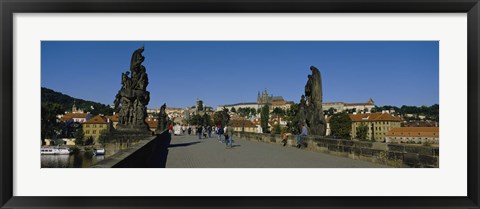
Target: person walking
303, 134
220, 133
204, 132
227, 137
189, 130
209, 129
199, 132
170, 129
230, 136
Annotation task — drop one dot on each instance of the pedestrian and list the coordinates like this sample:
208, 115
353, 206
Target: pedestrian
183, 129
204, 131
170, 129
209, 129
227, 138
220, 133
303, 134
285, 138
230, 135
189, 130
199, 132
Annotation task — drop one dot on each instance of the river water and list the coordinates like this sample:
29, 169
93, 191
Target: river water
81, 159
78, 160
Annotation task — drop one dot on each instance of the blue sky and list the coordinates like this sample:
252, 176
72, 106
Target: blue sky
225, 72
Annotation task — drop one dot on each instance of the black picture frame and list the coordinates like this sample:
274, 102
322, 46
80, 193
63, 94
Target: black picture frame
9, 7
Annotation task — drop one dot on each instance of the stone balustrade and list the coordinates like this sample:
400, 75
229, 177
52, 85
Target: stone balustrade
395, 155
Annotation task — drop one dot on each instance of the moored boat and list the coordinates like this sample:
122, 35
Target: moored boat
54, 151
99, 151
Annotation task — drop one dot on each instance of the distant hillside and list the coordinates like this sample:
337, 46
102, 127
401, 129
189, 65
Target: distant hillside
51, 96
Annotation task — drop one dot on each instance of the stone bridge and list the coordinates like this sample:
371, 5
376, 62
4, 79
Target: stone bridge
187, 151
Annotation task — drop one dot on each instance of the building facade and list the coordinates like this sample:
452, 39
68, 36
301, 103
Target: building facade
95, 126
242, 125
262, 99
378, 124
413, 135
358, 107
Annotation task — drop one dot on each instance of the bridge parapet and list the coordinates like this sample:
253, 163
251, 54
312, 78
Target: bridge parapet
150, 152
396, 155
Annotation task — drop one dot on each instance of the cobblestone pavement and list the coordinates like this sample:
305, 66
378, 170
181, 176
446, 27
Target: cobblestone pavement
187, 151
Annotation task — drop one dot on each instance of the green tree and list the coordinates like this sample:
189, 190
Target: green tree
279, 112
196, 120
103, 137
253, 111
89, 141
49, 122
277, 129
79, 136
233, 110
292, 120
207, 120
362, 131
221, 117
340, 125
264, 117
329, 112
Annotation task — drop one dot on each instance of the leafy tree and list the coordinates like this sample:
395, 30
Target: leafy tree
196, 120
207, 120
264, 117
66, 102
103, 137
221, 117
362, 131
89, 141
278, 112
340, 125
292, 120
79, 136
253, 111
50, 125
277, 129
329, 112
233, 110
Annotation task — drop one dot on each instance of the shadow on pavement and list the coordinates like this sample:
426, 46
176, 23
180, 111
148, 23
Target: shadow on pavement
183, 144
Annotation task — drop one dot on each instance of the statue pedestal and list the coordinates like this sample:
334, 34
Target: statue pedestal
133, 128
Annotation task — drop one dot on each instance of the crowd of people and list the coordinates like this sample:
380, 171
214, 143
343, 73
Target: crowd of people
224, 133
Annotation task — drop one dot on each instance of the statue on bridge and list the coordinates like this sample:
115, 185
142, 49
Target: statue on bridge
162, 119
310, 107
133, 97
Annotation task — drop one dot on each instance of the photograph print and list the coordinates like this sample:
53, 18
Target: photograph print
240, 104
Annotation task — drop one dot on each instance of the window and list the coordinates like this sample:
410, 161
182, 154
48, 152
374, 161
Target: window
94, 131
88, 125
87, 132
94, 125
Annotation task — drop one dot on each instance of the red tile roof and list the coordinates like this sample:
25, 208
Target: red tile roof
76, 115
369, 117
97, 120
241, 123
414, 132
113, 118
